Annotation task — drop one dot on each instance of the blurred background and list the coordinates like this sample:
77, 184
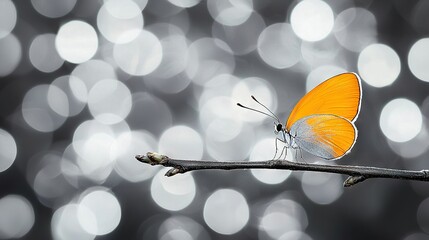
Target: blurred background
87, 85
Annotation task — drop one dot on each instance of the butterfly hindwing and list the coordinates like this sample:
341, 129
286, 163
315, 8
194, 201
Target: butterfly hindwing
324, 135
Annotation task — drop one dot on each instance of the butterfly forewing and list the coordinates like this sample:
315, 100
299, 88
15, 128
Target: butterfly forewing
324, 135
339, 95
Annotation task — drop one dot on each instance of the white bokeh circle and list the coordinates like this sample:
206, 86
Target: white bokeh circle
226, 211
401, 120
76, 41
312, 20
379, 65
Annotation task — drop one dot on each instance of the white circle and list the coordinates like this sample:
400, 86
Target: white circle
283, 216
76, 41
74, 105
141, 56
418, 60
58, 101
209, 57
7, 17
17, 216
181, 142
65, 224
230, 12
10, 54
184, 3
278, 46
265, 149
7, 150
226, 211
400, 120
104, 206
109, 101
120, 21
243, 38
355, 28
312, 20
129, 144
180, 224
379, 65
43, 54
423, 215
322, 188
173, 193
37, 111
53, 8
87, 74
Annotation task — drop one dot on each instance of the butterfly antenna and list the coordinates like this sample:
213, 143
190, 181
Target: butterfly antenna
275, 116
252, 109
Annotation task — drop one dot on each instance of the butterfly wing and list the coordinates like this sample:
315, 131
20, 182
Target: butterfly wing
324, 135
340, 95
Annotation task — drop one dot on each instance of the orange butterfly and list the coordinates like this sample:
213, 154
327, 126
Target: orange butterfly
322, 122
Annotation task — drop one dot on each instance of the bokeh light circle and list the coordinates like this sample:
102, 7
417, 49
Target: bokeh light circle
87, 74
401, 120
184, 3
414, 147
355, 23
283, 216
265, 149
53, 8
96, 147
140, 56
243, 38
209, 57
104, 206
379, 65
230, 12
129, 144
109, 101
312, 20
322, 188
8, 17
10, 54
278, 46
74, 105
181, 142
120, 21
76, 41
295, 235
8, 150
184, 226
43, 54
226, 211
418, 60
16, 218
423, 215
37, 110
65, 224
173, 194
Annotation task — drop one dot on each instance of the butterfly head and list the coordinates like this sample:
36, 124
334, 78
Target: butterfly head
278, 127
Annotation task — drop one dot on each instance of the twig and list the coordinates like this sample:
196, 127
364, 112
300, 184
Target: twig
356, 174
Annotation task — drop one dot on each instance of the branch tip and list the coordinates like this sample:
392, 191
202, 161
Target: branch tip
353, 180
152, 158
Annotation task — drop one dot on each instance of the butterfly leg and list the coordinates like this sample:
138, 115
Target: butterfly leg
281, 153
285, 149
277, 149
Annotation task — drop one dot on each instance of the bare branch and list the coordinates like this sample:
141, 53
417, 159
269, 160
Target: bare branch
356, 174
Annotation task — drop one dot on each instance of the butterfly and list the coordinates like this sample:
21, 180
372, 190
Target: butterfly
323, 121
